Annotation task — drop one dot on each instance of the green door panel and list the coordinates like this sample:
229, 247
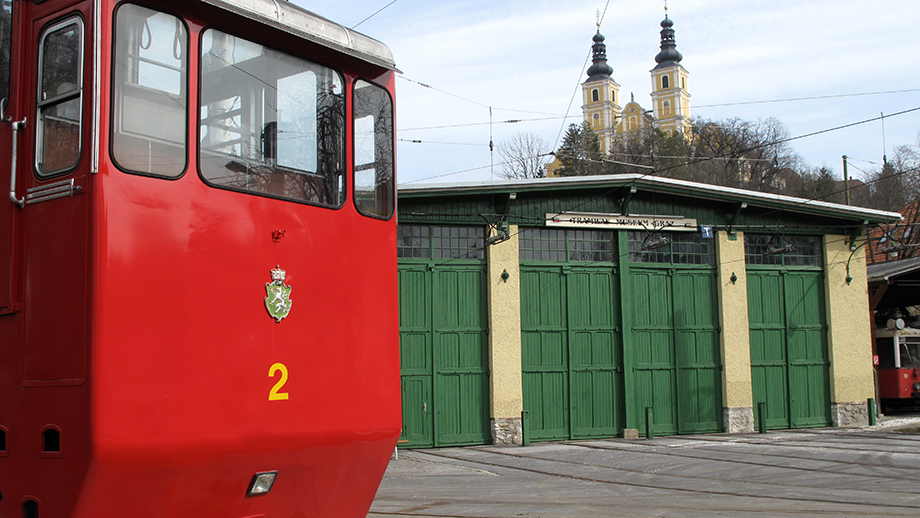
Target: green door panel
443, 354
676, 349
697, 352
571, 352
460, 355
415, 354
594, 352
789, 359
544, 352
653, 348
416, 407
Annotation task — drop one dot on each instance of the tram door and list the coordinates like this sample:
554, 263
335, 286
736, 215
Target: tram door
54, 150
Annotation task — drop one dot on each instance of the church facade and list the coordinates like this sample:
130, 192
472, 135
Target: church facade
614, 121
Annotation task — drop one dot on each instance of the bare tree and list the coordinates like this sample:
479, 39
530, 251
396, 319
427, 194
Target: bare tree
524, 156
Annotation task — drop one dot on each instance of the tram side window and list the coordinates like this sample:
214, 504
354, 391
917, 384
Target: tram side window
150, 100
271, 123
373, 112
6, 38
59, 97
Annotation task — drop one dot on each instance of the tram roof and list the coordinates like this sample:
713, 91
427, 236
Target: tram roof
656, 184
298, 21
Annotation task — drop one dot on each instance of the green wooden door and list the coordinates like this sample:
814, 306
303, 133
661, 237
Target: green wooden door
769, 363
809, 379
571, 352
443, 329
415, 351
653, 347
460, 338
697, 352
675, 338
594, 353
544, 352
789, 361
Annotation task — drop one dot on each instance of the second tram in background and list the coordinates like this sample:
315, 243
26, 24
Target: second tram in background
897, 348
198, 294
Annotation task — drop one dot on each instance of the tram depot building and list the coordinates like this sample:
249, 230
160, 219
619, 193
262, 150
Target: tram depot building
590, 307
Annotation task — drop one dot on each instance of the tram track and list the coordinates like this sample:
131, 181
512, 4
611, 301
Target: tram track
672, 451
860, 498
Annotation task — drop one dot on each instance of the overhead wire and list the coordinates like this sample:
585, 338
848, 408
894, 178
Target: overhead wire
373, 15
811, 98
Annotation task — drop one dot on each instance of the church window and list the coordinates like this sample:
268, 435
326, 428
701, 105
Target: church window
597, 119
683, 83
594, 95
665, 82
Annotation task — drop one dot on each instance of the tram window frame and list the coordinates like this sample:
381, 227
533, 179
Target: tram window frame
378, 201
251, 163
131, 97
6, 54
69, 101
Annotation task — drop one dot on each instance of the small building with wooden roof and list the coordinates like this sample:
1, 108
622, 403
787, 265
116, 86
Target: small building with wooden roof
603, 306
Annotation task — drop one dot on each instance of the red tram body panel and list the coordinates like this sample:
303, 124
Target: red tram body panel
898, 368
198, 303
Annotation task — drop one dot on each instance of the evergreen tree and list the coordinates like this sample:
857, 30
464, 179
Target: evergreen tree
580, 152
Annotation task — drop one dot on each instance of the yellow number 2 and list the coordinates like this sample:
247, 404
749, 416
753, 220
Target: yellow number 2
274, 395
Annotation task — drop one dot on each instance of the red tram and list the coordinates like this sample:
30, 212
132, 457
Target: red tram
197, 261
898, 369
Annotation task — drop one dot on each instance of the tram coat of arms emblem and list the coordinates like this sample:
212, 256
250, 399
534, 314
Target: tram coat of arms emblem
278, 302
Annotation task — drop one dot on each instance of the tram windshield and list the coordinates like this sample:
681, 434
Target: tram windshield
901, 352
271, 123
909, 350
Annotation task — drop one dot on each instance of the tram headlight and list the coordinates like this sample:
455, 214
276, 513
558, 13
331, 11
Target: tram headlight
917, 386
261, 483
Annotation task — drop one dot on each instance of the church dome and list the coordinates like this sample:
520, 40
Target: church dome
668, 55
599, 68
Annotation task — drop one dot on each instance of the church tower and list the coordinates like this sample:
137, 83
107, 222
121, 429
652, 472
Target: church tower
600, 95
670, 97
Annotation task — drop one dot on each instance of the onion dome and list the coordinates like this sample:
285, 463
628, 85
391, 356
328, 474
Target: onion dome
668, 55
599, 69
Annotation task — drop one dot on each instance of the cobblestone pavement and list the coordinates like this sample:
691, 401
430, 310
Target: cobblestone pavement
825, 472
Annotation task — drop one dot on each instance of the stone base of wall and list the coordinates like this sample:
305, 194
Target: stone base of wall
507, 431
738, 419
850, 414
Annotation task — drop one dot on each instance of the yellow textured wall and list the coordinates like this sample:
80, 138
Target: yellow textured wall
850, 334
507, 398
733, 317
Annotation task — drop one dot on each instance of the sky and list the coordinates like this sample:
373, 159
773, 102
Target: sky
813, 64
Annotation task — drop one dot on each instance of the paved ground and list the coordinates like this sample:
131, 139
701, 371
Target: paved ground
827, 472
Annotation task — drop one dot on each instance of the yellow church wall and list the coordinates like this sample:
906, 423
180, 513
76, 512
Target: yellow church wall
505, 381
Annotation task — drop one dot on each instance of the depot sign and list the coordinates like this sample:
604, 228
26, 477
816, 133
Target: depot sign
619, 221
